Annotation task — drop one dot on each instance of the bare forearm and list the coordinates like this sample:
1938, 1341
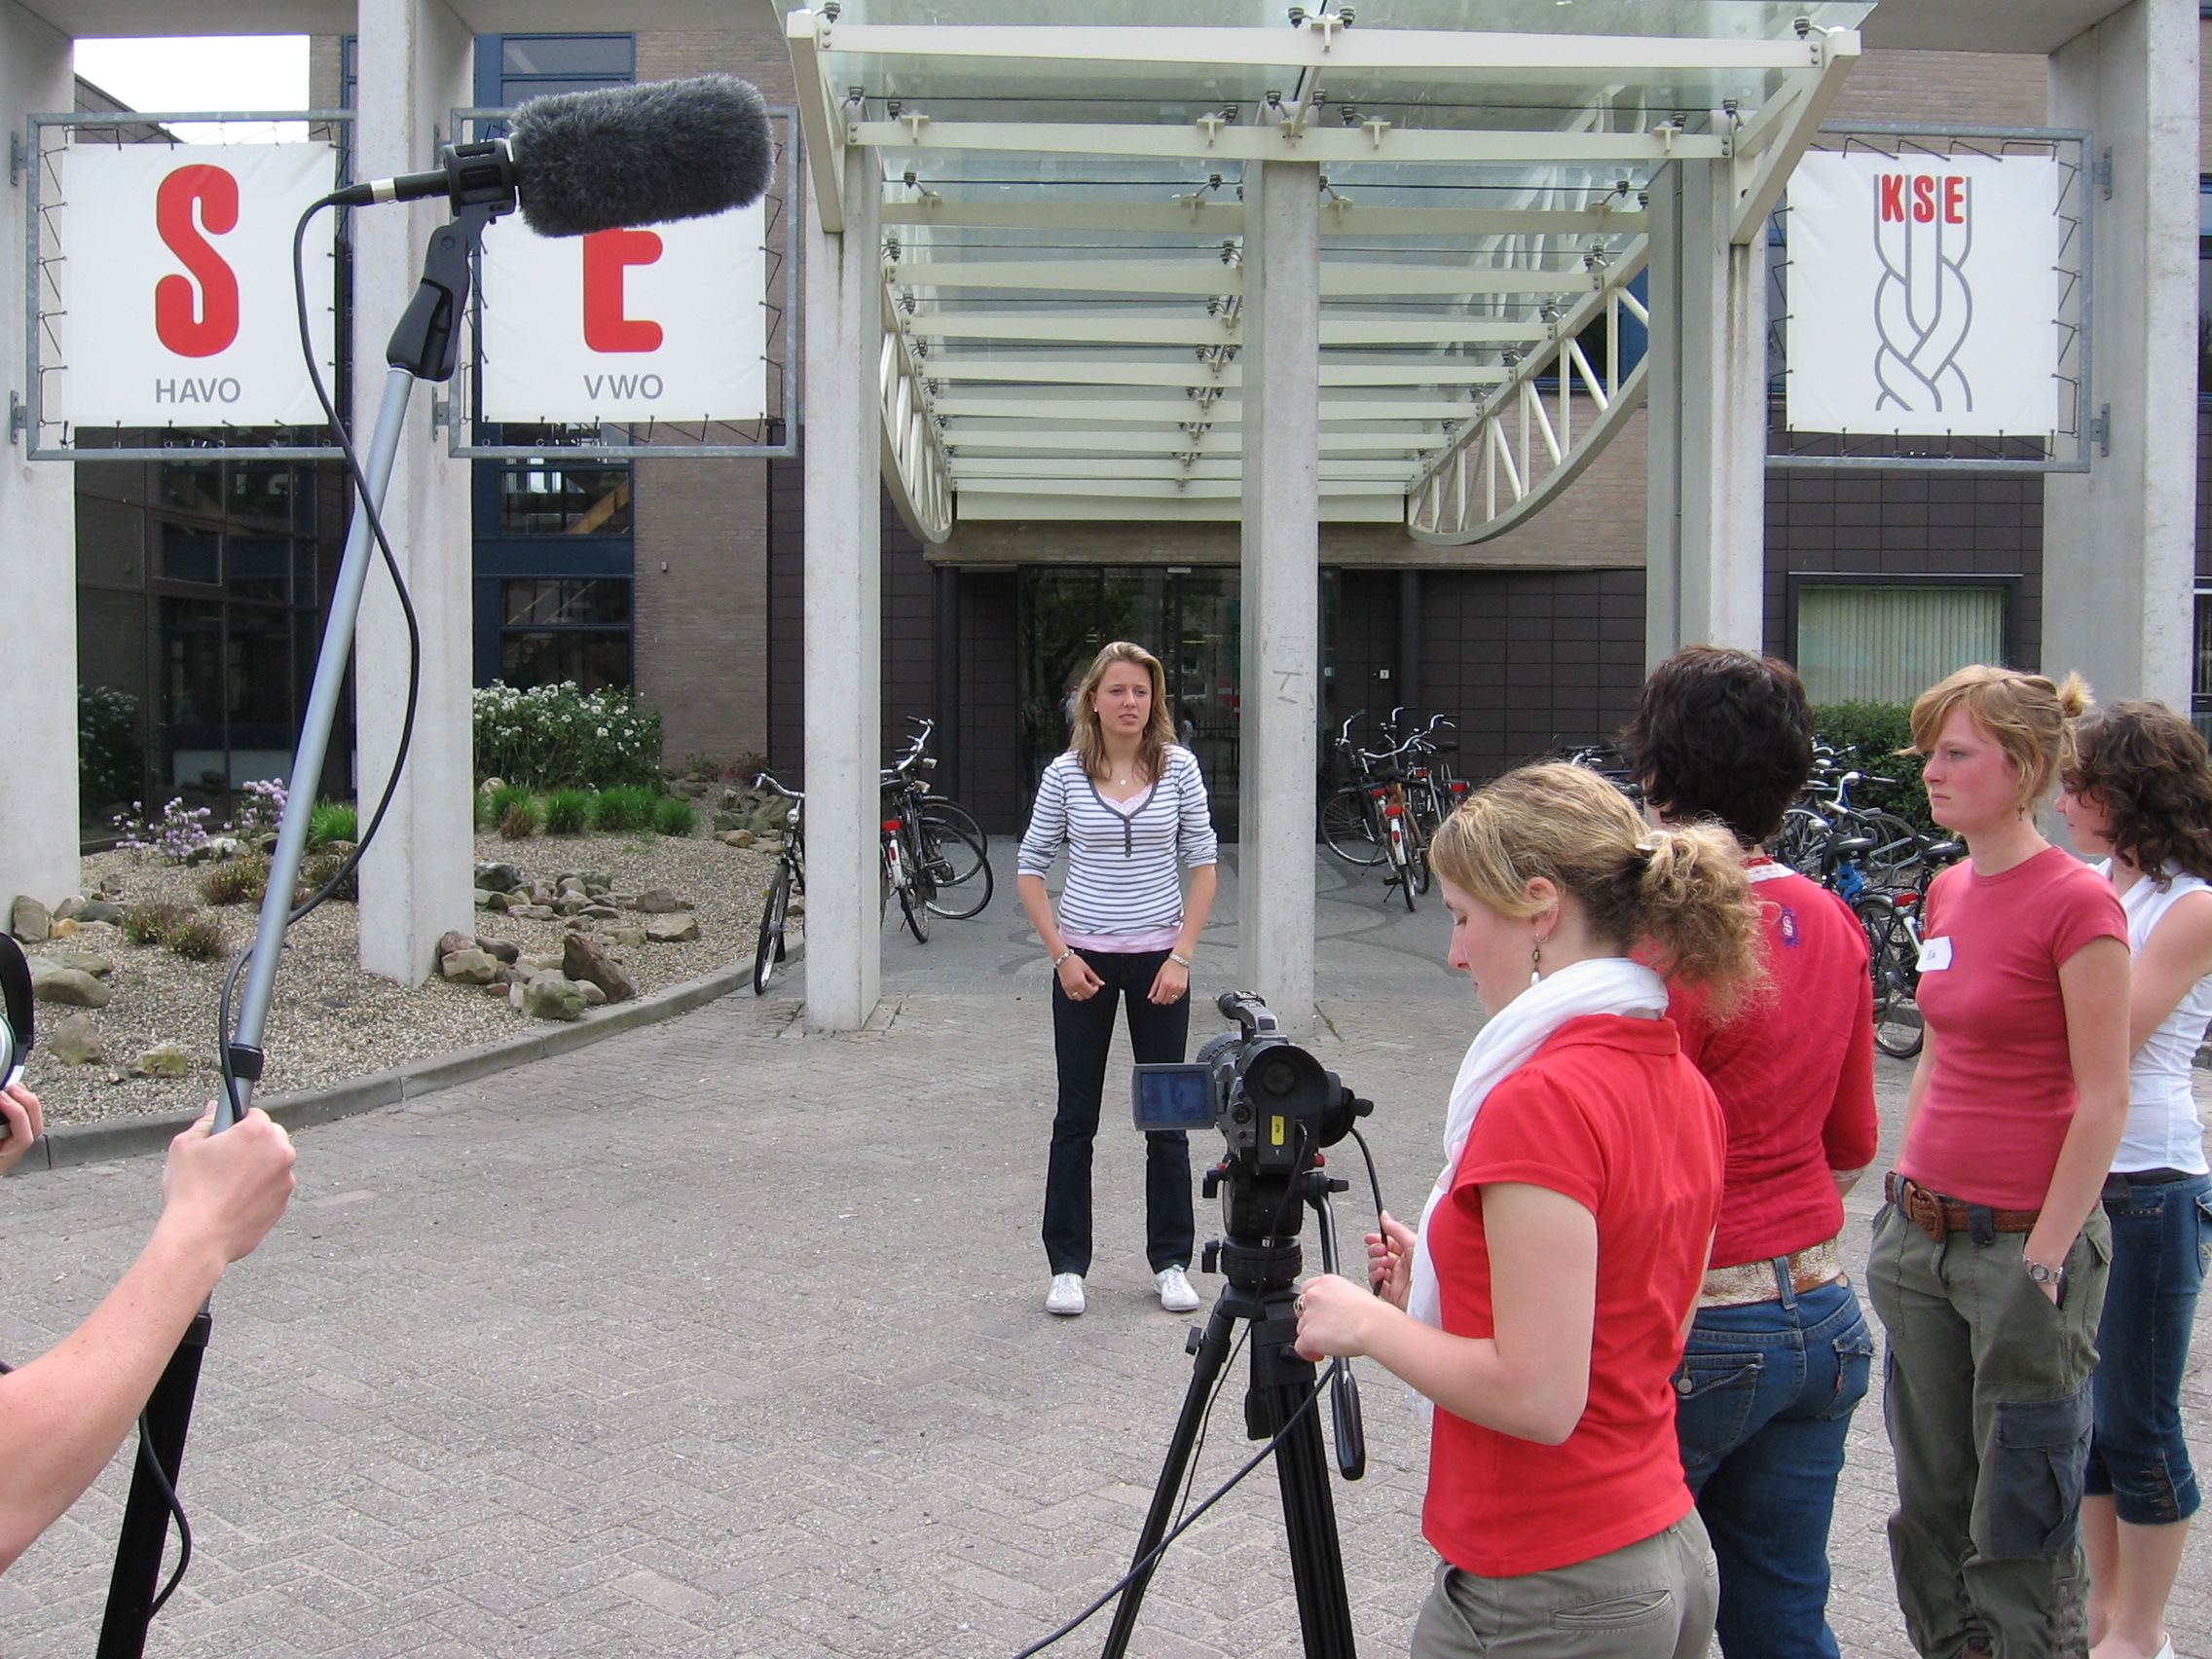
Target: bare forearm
63, 1414
1471, 1379
1197, 909
2078, 1179
1037, 904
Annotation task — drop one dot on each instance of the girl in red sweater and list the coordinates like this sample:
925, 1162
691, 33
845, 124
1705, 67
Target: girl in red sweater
1542, 1303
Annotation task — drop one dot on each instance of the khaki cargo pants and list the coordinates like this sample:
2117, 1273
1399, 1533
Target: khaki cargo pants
1987, 1400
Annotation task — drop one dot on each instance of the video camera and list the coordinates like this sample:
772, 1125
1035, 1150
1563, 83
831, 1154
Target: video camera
1273, 1101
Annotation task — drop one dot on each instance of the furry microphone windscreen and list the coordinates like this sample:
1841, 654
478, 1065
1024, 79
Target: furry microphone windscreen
16, 998
642, 155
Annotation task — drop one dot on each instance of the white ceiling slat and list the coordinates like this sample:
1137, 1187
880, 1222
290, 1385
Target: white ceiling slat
1087, 401
1484, 146
986, 468
1211, 277
1079, 372
1077, 440
1061, 327
1214, 220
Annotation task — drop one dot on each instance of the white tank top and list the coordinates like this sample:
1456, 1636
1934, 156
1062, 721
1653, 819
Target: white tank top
2164, 1131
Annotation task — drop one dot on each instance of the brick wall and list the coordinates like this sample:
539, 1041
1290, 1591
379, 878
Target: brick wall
1964, 89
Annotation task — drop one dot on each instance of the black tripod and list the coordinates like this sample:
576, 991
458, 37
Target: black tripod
1262, 1291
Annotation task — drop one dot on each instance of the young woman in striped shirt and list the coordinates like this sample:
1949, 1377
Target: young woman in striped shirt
1127, 805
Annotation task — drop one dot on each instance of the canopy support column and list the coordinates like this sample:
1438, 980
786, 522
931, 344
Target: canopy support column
1281, 551
416, 876
844, 605
38, 538
2119, 541
1705, 571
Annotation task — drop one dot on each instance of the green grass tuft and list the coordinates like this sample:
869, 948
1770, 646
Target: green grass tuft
568, 812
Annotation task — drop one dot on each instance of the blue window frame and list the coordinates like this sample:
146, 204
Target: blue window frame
555, 553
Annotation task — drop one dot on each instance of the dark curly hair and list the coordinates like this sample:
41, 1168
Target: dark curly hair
1724, 735
2147, 770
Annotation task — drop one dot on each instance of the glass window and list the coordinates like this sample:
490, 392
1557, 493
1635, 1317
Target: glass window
193, 487
1890, 644
559, 603
190, 555
260, 568
2201, 677
260, 489
603, 57
558, 500
595, 661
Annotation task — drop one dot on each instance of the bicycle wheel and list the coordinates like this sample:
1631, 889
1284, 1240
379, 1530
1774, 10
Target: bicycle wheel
1893, 962
1401, 862
1348, 830
964, 896
1416, 853
953, 815
1799, 841
953, 847
768, 952
1898, 860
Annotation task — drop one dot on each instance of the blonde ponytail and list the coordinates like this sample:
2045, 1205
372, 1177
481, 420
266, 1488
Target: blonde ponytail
1682, 892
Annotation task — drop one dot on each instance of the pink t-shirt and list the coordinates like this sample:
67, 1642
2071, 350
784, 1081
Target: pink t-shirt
2000, 1097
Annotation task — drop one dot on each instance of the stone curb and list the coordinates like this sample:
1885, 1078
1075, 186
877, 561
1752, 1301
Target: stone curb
94, 1143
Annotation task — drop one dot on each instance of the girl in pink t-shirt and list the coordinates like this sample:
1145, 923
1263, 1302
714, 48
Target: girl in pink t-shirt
1989, 1262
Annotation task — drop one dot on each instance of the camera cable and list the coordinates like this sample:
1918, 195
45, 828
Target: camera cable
1145, 1561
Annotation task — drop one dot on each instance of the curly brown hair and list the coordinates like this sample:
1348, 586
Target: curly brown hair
1725, 735
2147, 768
1681, 890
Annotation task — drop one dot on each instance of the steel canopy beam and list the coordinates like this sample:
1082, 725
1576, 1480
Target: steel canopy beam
1208, 275
1769, 148
1078, 372
1209, 331
1325, 44
1228, 411
1338, 145
1215, 220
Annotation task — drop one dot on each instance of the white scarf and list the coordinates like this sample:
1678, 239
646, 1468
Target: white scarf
1604, 985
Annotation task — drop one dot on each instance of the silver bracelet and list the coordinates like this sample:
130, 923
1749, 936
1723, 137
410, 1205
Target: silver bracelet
1180, 961
1062, 957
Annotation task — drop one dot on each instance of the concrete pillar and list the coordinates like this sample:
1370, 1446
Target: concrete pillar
1281, 549
38, 537
1704, 572
415, 69
2119, 541
841, 411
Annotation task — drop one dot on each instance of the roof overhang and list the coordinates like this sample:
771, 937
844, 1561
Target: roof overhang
2032, 26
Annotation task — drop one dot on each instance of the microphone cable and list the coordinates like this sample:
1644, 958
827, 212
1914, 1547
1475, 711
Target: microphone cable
357, 476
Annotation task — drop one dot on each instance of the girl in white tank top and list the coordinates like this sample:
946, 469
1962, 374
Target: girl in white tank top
2164, 1131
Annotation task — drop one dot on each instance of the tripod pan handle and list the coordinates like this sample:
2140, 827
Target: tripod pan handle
1352, 1430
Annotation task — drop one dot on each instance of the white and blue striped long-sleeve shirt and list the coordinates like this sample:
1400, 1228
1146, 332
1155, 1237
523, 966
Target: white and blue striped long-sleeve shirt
1122, 863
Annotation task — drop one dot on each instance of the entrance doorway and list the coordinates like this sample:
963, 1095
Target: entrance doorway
1190, 618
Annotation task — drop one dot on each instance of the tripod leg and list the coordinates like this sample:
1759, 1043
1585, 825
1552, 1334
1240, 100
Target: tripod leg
1213, 1350
1281, 1383
146, 1513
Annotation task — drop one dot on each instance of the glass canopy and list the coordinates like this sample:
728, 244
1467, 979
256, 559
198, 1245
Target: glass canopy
1063, 227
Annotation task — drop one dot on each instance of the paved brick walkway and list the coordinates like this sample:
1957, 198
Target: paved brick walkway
718, 1339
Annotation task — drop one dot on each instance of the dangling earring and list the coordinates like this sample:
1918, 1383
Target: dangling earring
1535, 965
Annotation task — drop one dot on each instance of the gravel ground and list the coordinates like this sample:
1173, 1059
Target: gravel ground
332, 1021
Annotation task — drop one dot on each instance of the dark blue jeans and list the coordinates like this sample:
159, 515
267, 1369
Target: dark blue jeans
1081, 1032
2161, 1234
1763, 1402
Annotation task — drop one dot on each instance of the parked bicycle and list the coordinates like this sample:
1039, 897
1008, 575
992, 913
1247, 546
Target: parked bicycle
789, 877
1369, 821
938, 837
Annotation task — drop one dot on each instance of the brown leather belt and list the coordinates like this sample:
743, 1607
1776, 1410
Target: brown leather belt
1935, 1215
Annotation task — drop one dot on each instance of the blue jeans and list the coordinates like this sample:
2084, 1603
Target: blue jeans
2161, 1234
1763, 1402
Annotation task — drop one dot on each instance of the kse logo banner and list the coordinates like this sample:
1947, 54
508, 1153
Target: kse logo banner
626, 325
1923, 294
176, 283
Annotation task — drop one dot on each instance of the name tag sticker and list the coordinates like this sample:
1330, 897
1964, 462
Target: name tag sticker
1934, 953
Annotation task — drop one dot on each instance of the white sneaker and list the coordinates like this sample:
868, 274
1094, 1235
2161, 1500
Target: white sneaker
1175, 1292
1066, 1294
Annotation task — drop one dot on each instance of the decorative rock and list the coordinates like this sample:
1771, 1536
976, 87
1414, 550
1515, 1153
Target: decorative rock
602, 912
216, 849
583, 960
534, 912
570, 884
491, 786
66, 910
164, 1060
671, 929
265, 845
82, 961
469, 967
99, 910
71, 986
593, 996
497, 877
482, 900
741, 839
111, 884
499, 949
626, 938
28, 920
75, 1042
545, 963
337, 849
549, 996
452, 940
660, 901
498, 901
571, 903
505, 978
64, 928
541, 894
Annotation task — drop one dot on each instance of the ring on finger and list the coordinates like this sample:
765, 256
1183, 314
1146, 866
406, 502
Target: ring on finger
1298, 1305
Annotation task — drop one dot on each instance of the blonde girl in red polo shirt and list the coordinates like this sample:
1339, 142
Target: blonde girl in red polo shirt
1544, 1302
1989, 1262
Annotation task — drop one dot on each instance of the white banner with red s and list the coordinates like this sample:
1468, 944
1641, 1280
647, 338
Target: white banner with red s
176, 285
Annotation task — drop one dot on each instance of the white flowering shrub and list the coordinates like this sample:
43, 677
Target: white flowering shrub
558, 736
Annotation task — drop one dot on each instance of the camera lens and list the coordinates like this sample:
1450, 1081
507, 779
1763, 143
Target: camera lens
1278, 1076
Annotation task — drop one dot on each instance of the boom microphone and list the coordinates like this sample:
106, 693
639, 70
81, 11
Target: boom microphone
585, 162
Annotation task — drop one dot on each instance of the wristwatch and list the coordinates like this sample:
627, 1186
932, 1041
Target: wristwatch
2041, 1275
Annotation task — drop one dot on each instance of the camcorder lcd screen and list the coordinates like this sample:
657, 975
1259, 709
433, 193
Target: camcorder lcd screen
1173, 1097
